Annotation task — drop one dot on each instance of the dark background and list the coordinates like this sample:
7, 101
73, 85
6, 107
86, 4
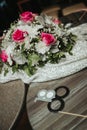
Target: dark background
9, 10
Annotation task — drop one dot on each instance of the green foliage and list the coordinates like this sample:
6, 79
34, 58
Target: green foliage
5, 71
55, 57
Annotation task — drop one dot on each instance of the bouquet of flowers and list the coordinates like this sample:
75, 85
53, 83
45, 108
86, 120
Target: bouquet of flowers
33, 41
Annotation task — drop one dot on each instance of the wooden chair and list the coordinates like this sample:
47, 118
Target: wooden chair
74, 8
52, 11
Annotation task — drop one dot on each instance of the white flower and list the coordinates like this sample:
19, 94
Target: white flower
32, 30
42, 48
27, 43
20, 22
10, 51
19, 58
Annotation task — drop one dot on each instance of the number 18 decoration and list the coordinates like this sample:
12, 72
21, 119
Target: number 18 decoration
52, 96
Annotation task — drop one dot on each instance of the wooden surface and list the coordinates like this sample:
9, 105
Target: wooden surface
11, 99
76, 102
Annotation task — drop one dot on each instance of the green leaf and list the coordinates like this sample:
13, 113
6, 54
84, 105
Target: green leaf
35, 40
29, 70
73, 37
33, 59
22, 47
15, 68
41, 63
5, 71
55, 57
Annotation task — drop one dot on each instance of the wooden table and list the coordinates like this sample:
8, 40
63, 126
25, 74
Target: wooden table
11, 101
76, 102
42, 119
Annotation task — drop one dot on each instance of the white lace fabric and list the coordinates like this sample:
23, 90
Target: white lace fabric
70, 65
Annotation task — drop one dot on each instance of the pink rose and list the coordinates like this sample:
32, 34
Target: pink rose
48, 38
3, 56
56, 21
19, 35
27, 16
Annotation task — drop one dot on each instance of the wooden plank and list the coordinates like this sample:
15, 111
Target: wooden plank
76, 102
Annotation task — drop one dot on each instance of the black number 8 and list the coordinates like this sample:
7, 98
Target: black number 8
58, 98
